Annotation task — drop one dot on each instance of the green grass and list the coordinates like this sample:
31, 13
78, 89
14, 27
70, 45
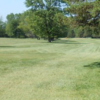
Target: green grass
66, 69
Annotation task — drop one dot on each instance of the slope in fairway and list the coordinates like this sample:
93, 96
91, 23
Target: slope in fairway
66, 69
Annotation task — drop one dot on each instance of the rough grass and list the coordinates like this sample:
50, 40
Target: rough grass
67, 69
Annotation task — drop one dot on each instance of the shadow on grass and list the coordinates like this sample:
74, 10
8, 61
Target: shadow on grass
67, 42
7, 46
93, 65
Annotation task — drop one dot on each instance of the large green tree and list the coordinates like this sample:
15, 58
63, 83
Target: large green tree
46, 19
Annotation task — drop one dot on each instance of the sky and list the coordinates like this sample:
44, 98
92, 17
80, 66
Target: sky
11, 6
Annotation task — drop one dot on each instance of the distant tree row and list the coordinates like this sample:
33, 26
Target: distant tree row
85, 18
46, 19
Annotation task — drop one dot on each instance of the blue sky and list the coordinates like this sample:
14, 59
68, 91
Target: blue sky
11, 6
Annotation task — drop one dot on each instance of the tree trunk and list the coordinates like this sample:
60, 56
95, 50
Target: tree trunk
49, 39
52, 39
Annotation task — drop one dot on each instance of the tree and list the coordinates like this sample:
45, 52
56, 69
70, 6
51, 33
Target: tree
12, 28
46, 19
25, 23
2, 28
80, 11
84, 13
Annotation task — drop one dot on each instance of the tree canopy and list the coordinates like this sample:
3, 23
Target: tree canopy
46, 19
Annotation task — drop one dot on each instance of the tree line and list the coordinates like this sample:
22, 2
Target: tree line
47, 19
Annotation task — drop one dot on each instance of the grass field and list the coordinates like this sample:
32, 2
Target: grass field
66, 69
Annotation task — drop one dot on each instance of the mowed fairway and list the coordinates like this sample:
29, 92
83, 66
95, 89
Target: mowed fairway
66, 69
